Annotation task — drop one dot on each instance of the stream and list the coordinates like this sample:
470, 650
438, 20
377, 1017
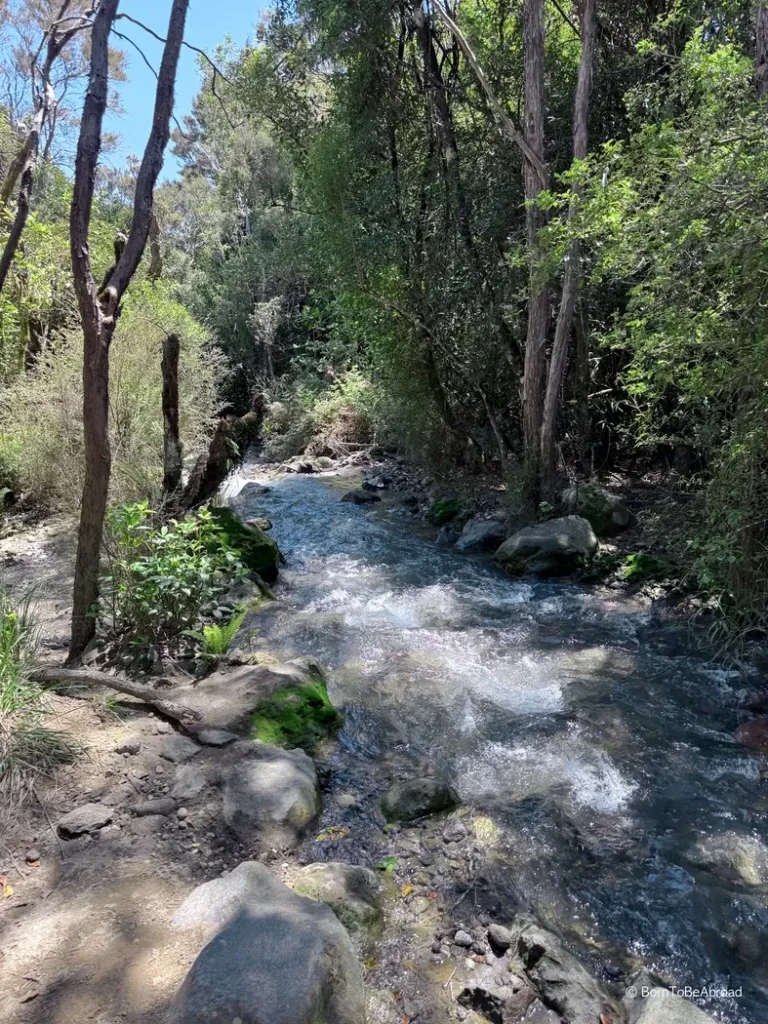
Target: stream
597, 741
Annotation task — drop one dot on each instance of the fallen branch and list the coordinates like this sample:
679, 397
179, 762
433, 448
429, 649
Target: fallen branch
185, 716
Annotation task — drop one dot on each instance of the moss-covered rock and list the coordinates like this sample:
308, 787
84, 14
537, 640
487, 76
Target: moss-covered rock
296, 716
444, 510
259, 552
602, 510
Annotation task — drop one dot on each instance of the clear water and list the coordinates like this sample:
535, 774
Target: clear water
598, 742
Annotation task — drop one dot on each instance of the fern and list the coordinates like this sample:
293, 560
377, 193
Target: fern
216, 638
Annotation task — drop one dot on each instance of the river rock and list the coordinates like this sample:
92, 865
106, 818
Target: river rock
82, 820
352, 893
271, 796
178, 749
603, 510
277, 957
734, 857
482, 535
753, 734
552, 548
359, 496
500, 937
416, 798
559, 977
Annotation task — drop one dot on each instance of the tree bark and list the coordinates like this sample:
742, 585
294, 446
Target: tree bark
538, 292
581, 382
572, 276
761, 51
99, 310
155, 271
171, 441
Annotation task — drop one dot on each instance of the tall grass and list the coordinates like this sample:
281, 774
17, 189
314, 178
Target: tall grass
28, 750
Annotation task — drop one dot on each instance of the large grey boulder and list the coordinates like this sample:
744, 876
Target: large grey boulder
651, 1003
271, 795
559, 977
549, 549
481, 535
276, 957
353, 894
734, 857
416, 798
604, 511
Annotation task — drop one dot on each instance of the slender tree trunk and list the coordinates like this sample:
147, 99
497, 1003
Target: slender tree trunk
99, 309
538, 293
155, 271
171, 441
581, 382
572, 276
761, 51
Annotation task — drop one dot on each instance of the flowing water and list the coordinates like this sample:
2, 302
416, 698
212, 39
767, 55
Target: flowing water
597, 741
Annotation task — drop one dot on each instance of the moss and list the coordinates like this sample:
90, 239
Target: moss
644, 567
259, 552
296, 716
444, 510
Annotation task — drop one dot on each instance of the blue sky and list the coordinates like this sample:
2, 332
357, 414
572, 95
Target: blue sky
208, 23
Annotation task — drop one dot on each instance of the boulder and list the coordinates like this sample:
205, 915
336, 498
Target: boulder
296, 716
276, 957
359, 496
259, 552
552, 548
753, 734
447, 535
82, 820
352, 893
561, 980
482, 535
271, 796
498, 999
662, 1007
603, 510
416, 798
734, 857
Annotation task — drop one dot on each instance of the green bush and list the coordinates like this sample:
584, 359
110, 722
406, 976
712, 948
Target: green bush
41, 444
163, 579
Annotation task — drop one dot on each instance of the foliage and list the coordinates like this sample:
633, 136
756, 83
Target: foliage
216, 637
41, 445
163, 578
642, 566
27, 748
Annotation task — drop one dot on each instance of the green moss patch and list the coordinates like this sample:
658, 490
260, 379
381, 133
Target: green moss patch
644, 567
444, 510
297, 716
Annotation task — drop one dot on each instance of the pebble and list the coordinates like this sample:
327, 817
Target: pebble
462, 938
346, 800
159, 770
128, 747
499, 936
182, 813
454, 832
32, 855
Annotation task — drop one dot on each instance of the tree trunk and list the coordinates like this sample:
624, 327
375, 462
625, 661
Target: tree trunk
99, 310
171, 441
572, 276
538, 292
761, 51
155, 271
581, 382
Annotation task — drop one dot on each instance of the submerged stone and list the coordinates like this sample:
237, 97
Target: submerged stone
416, 798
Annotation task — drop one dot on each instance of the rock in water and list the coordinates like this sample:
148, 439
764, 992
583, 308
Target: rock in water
258, 551
88, 818
279, 958
734, 857
481, 535
559, 977
603, 510
753, 734
271, 796
413, 799
361, 497
549, 549
351, 892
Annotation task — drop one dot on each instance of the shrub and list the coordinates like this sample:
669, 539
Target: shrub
41, 445
27, 748
163, 578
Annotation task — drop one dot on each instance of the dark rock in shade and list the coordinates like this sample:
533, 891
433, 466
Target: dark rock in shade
553, 548
361, 497
416, 798
271, 796
447, 536
753, 734
164, 806
603, 510
498, 1003
279, 958
178, 749
559, 977
482, 535
258, 551
216, 737
81, 820
462, 938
